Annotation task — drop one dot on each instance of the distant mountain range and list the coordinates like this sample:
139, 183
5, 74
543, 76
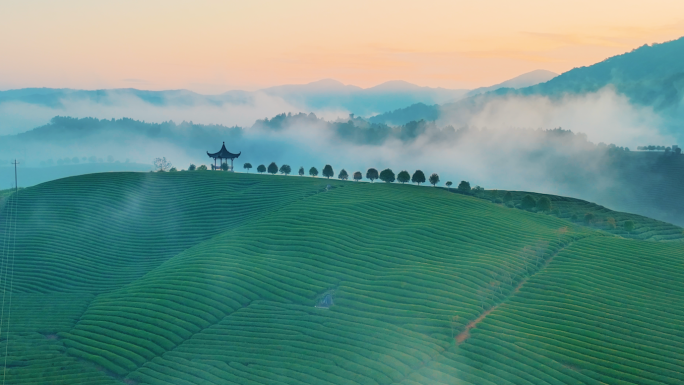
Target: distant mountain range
329, 94
324, 95
328, 97
651, 75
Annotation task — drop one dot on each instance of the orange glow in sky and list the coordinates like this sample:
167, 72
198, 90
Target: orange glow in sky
215, 46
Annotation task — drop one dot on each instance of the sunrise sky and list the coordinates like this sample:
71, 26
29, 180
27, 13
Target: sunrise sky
215, 46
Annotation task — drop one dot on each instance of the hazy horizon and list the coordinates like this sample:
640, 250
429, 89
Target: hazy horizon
210, 47
329, 81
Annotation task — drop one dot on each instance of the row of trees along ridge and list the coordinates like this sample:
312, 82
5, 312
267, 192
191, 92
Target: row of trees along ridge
386, 175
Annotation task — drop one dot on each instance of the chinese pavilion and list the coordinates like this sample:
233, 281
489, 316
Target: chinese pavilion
221, 155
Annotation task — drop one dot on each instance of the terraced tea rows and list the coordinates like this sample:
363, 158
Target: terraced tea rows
604, 311
389, 255
101, 231
33, 359
359, 284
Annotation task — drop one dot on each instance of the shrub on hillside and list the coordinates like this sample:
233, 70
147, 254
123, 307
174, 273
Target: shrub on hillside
588, 218
544, 204
629, 226
273, 168
224, 166
528, 202
610, 223
261, 169
387, 176
202, 168
328, 171
403, 177
173, 169
507, 197
418, 177
464, 187
192, 167
574, 217
372, 174
498, 200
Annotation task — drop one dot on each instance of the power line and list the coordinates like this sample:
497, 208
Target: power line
13, 239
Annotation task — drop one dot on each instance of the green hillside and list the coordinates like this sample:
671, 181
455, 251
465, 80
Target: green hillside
218, 278
574, 210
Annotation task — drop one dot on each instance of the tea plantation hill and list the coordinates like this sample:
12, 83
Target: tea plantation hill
217, 278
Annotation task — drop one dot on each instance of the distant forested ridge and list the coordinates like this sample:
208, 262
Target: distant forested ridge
63, 128
651, 75
415, 112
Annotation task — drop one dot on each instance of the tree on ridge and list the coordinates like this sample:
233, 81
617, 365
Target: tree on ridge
387, 176
247, 166
161, 164
358, 176
285, 169
343, 175
372, 174
273, 168
434, 179
403, 177
418, 177
261, 169
301, 171
313, 171
448, 184
328, 171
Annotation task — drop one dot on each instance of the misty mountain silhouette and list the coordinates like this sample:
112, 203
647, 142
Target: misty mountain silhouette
326, 95
422, 111
651, 75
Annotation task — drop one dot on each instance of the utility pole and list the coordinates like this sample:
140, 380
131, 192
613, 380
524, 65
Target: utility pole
16, 186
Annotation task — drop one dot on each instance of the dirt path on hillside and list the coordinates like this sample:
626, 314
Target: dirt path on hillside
465, 334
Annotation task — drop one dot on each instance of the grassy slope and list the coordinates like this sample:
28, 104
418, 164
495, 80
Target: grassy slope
228, 268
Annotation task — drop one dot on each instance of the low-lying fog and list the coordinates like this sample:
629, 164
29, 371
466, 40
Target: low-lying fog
501, 144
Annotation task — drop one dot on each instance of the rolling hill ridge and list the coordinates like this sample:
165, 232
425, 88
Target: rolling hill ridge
218, 278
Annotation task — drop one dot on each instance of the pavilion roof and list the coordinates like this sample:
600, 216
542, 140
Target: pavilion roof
224, 153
